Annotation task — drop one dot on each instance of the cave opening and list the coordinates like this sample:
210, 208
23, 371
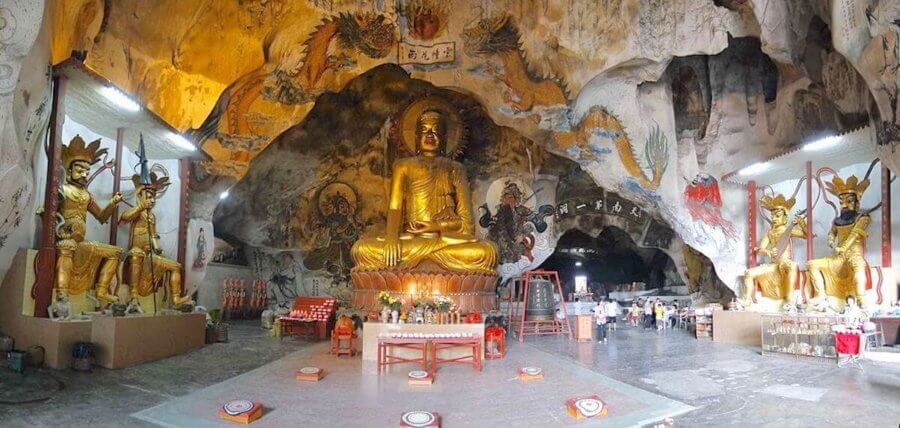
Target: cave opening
612, 262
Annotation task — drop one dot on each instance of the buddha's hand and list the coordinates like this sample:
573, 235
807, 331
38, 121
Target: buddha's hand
424, 227
392, 251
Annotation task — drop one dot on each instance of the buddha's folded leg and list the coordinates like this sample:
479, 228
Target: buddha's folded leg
480, 257
368, 254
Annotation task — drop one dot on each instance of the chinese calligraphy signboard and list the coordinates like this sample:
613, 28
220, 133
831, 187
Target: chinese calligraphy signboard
607, 203
426, 54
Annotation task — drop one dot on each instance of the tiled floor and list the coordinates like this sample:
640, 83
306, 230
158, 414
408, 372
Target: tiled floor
461, 394
644, 375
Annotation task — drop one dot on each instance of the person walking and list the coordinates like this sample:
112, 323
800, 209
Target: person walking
635, 312
612, 312
660, 312
600, 319
648, 314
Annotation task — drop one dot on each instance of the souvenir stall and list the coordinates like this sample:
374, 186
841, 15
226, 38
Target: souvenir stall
819, 246
108, 266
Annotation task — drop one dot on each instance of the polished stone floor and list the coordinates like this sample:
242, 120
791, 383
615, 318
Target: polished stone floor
645, 375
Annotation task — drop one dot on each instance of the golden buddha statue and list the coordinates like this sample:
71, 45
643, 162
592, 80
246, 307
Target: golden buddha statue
776, 280
843, 273
429, 213
82, 265
146, 265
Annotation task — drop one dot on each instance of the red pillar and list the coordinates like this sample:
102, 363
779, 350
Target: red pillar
751, 223
117, 175
184, 177
885, 216
809, 211
45, 261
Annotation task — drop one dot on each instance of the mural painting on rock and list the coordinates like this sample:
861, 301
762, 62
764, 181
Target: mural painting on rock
585, 81
704, 202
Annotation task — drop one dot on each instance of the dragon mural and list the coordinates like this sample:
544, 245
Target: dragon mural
367, 33
601, 123
498, 38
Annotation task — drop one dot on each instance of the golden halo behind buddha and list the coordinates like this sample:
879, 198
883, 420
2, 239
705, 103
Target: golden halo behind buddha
454, 132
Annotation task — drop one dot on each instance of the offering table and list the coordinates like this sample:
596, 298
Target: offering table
372, 330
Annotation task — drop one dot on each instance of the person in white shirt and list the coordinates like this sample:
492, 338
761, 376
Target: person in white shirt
648, 314
600, 319
612, 311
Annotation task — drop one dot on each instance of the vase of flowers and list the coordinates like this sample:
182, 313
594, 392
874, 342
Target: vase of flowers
385, 299
396, 305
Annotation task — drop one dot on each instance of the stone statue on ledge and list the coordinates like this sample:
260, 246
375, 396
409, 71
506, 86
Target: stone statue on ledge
146, 265
430, 225
83, 265
843, 273
777, 279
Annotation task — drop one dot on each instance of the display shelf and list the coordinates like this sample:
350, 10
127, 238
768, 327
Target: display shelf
803, 336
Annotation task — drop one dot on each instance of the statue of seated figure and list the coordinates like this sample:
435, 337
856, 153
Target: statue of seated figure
776, 280
83, 265
429, 214
146, 266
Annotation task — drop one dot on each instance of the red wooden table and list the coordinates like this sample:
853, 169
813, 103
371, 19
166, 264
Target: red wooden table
438, 344
307, 328
385, 344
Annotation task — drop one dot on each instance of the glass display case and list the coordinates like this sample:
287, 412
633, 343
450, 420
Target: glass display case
808, 336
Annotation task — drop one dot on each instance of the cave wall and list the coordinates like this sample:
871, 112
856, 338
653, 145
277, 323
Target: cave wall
592, 82
24, 114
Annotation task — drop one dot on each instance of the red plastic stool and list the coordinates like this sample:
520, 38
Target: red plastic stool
494, 342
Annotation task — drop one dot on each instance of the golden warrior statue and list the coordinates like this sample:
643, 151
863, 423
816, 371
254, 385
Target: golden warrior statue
429, 213
145, 261
82, 265
776, 279
843, 273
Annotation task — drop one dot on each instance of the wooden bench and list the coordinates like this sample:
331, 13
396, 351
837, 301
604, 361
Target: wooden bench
386, 344
438, 344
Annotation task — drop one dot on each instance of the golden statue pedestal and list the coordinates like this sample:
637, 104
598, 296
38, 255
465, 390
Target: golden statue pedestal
472, 292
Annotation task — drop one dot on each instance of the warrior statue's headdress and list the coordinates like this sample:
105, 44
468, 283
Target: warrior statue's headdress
839, 187
155, 183
78, 151
778, 202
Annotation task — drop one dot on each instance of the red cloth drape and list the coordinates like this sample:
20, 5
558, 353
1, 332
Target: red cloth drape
846, 343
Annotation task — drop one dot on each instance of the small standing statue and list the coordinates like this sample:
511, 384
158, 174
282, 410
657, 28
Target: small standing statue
146, 264
843, 273
776, 279
82, 265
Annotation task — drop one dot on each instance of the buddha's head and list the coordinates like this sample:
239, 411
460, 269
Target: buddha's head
431, 133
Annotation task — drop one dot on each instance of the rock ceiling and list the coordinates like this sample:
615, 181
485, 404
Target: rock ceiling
643, 94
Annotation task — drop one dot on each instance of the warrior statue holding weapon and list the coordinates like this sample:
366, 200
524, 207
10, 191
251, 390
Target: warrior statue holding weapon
145, 265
